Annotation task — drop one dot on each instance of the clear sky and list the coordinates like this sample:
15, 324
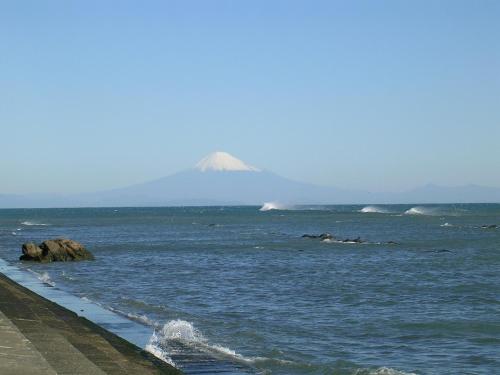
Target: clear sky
374, 95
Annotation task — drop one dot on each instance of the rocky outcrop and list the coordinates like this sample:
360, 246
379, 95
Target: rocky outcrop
322, 236
56, 250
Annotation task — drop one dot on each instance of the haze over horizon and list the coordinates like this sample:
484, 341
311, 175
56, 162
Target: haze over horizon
356, 95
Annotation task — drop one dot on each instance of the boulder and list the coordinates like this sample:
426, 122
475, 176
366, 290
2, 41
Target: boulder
32, 250
56, 250
322, 236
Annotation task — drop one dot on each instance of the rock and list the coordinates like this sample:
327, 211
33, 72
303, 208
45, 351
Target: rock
31, 250
322, 236
491, 226
356, 240
392, 243
56, 250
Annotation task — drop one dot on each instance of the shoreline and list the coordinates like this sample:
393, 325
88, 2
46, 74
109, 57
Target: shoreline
42, 337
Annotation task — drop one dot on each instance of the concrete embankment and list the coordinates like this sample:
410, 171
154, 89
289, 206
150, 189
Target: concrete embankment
40, 337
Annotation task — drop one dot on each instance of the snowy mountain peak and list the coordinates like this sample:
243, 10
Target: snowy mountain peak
222, 161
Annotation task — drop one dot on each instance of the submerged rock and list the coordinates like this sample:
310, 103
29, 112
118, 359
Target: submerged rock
355, 240
322, 236
56, 250
491, 226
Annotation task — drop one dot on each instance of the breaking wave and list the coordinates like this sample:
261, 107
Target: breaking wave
268, 206
143, 319
32, 223
373, 210
446, 225
43, 277
382, 371
185, 332
419, 210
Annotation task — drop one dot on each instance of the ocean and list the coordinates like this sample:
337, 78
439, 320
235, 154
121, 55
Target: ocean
397, 289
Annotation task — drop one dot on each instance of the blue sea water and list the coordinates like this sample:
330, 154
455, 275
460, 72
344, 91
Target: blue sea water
243, 283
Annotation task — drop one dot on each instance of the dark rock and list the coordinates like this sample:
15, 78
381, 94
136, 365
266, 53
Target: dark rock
31, 251
392, 243
356, 240
322, 236
491, 226
57, 250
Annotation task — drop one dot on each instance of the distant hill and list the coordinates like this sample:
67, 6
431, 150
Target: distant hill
221, 179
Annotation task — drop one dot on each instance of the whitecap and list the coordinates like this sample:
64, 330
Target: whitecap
419, 210
382, 371
373, 210
32, 223
268, 206
446, 225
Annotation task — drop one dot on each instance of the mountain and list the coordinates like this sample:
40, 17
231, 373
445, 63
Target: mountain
222, 179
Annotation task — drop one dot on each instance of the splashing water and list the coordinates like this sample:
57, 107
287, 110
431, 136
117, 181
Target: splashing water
272, 206
31, 223
373, 210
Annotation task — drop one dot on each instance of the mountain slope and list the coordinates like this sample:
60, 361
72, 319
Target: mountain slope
221, 179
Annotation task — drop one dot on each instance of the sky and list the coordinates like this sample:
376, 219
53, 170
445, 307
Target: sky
371, 95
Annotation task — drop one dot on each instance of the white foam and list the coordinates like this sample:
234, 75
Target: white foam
142, 319
419, 210
268, 206
66, 276
382, 371
446, 225
153, 347
32, 223
185, 332
373, 210
43, 277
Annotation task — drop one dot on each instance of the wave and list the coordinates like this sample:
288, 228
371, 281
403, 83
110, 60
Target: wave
43, 277
446, 225
185, 332
446, 210
268, 206
373, 210
32, 223
420, 210
140, 318
154, 347
382, 371
67, 276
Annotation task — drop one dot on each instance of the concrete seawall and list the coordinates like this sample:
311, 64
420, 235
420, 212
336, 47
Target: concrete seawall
38, 336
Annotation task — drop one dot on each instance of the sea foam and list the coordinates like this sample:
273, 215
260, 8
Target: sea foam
186, 333
44, 277
268, 206
419, 210
373, 210
382, 371
32, 223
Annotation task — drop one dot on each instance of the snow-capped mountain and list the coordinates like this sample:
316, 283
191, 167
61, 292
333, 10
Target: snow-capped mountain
222, 161
222, 179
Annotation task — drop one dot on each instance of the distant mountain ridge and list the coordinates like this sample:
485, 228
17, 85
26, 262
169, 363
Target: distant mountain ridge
221, 179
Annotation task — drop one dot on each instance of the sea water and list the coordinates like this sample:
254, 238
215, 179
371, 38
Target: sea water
419, 294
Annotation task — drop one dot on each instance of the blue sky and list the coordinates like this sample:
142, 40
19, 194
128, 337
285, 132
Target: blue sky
373, 95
